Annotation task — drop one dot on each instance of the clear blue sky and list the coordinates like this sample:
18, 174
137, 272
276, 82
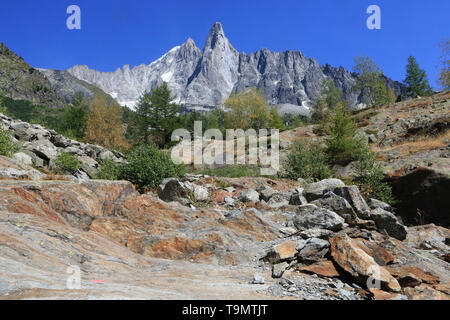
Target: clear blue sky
118, 32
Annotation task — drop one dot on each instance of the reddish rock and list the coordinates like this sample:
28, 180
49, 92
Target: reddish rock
411, 276
349, 256
383, 295
425, 292
282, 252
324, 268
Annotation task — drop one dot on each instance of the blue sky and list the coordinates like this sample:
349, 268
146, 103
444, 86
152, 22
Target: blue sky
117, 32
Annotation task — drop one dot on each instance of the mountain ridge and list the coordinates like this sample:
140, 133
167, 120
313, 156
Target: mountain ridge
207, 77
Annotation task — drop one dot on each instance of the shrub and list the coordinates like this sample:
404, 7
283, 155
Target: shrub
66, 162
147, 167
342, 146
370, 178
7, 145
109, 170
307, 161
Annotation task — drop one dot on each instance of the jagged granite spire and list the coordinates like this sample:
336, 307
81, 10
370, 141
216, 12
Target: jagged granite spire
207, 77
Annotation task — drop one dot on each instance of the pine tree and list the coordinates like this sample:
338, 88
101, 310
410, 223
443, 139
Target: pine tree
416, 79
157, 115
275, 120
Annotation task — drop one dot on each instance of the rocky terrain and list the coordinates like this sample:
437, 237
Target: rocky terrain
40, 147
205, 78
18, 80
206, 237
54, 88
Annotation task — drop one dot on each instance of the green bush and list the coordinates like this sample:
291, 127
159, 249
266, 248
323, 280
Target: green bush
66, 162
307, 161
147, 167
342, 145
109, 170
7, 145
370, 178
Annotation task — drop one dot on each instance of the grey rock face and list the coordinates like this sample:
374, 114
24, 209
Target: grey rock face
337, 204
265, 192
314, 250
314, 191
205, 78
310, 216
374, 204
40, 147
387, 222
279, 269
249, 195
354, 197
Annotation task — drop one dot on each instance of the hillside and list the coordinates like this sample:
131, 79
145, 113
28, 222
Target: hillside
18, 80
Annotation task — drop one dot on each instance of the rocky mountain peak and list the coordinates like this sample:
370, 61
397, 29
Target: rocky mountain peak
205, 78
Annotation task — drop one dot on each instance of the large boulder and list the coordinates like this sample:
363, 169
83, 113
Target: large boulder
309, 216
354, 197
266, 192
314, 191
386, 222
89, 165
313, 250
23, 158
249, 195
361, 266
278, 200
423, 195
44, 149
337, 204
281, 252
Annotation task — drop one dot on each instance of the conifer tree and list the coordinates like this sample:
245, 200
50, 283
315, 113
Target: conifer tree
416, 79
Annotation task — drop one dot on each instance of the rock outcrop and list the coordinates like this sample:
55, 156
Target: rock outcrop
18, 80
196, 236
40, 147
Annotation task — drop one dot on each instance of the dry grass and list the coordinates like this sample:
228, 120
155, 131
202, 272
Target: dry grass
55, 177
422, 144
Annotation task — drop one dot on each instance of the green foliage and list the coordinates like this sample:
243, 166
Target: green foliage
293, 121
371, 82
248, 109
147, 167
49, 117
275, 120
7, 145
157, 116
416, 79
370, 178
75, 117
109, 170
342, 145
330, 98
307, 161
66, 162
232, 171
3, 108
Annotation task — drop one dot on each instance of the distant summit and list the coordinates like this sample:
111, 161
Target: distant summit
207, 77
